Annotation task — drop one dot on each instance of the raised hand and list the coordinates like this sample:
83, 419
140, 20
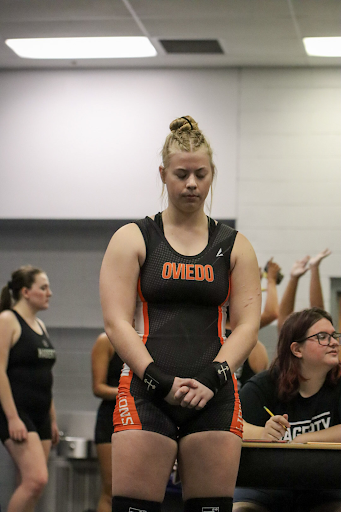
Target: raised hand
300, 267
273, 269
316, 260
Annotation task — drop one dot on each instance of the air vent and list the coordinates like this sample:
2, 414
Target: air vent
192, 46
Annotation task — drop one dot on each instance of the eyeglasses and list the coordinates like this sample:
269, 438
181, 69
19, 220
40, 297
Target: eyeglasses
324, 338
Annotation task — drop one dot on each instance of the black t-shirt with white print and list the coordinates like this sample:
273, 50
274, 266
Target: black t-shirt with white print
318, 412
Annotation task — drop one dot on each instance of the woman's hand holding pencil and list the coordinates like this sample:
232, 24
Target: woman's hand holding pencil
276, 426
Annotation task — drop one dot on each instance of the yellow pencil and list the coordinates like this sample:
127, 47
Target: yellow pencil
271, 414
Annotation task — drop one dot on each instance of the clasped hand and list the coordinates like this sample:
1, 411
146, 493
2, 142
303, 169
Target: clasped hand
189, 393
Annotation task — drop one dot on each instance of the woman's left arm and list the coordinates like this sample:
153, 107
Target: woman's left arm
328, 435
245, 305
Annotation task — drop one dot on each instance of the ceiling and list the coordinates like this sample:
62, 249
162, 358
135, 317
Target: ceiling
250, 32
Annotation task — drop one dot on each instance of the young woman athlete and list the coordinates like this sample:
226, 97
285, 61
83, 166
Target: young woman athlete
28, 423
171, 275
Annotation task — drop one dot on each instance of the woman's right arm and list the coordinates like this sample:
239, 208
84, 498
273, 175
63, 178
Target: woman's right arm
273, 430
8, 328
118, 288
257, 424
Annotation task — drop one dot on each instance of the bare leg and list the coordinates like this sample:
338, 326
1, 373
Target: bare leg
46, 444
30, 460
316, 296
104, 459
208, 464
142, 462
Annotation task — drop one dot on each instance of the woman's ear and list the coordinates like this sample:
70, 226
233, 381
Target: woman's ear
296, 349
162, 173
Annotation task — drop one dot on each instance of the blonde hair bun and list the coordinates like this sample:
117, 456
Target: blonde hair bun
185, 123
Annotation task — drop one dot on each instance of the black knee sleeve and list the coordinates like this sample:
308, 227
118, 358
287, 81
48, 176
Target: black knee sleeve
125, 504
221, 504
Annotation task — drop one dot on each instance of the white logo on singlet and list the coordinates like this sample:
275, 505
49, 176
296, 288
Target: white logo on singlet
219, 253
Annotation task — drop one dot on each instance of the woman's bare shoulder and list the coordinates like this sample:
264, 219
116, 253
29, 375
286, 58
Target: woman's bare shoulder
128, 237
7, 317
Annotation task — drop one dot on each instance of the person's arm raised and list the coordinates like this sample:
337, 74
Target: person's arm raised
270, 312
287, 304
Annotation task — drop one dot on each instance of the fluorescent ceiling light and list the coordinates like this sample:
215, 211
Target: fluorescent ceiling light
323, 46
82, 47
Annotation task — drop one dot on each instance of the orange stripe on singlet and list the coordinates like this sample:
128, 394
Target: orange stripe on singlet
237, 418
145, 313
221, 328
125, 414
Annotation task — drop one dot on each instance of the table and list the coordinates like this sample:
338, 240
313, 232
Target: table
290, 466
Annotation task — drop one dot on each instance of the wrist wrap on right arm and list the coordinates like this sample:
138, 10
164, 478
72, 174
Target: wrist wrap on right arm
215, 376
156, 381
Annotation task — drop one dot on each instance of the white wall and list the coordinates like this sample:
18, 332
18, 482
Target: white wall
86, 144
289, 177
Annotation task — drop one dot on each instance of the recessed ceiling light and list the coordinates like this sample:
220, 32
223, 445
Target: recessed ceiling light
82, 47
323, 46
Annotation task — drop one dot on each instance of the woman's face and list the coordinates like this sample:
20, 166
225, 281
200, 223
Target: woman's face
316, 354
40, 292
188, 179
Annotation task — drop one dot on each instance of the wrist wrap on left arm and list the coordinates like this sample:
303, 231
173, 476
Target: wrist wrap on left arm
215, 376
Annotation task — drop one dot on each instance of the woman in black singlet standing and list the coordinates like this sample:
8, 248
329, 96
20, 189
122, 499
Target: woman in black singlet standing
28, 424
106, 368
173, 274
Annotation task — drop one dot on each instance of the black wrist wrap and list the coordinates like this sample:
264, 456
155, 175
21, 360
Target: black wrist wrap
215, 376
157, 382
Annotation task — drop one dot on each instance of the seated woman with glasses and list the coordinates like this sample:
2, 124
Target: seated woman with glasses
302, 388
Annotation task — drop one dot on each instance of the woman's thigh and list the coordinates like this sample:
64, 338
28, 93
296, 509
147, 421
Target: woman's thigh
142, 462
208, 464
29, 457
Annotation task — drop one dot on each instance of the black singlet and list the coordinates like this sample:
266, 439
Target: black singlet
180, 316
29, 371
181, 306
29, 368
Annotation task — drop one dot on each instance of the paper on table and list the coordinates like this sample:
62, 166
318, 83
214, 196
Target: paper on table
264, 441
